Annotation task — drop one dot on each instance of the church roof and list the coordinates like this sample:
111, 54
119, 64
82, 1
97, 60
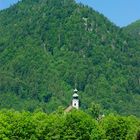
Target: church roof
75, 90
68, 109
75, 95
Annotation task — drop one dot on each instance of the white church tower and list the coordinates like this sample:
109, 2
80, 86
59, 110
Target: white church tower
75, 99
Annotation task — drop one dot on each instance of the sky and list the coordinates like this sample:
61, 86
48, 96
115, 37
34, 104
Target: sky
120, 12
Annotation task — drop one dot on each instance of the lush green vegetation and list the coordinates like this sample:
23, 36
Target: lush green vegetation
133, 29
48, 46
75, 125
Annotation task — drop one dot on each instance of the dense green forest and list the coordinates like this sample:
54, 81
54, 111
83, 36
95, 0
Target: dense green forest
133, 29
75, 125
49, 46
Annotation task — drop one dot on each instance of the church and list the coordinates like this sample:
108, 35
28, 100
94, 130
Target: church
75, 101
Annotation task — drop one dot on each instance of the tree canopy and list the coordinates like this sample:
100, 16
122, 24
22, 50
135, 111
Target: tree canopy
75, 125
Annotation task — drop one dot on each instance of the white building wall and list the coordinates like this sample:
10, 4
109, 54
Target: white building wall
75, 103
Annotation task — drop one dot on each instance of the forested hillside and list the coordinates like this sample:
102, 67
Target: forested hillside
49, 46
133, 29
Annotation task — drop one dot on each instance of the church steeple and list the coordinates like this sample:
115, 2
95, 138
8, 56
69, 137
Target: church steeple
75, 100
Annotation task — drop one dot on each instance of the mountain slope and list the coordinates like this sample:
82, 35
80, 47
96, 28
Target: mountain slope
133, 29
49, 46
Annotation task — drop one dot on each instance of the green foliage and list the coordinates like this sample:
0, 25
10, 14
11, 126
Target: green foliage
75, 125
48, 46
94, 110
133, 29
120, 128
